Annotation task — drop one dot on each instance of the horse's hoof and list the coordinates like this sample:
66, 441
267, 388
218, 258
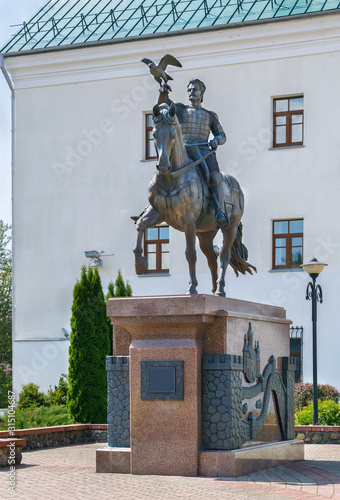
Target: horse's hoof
141, 266
220, 294
191, 290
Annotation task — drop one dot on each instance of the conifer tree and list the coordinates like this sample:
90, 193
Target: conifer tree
89, 347
5, 314
128, 289
109, 295
122, 290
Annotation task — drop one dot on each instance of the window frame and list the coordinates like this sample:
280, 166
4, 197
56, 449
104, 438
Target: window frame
147, 129
296, 350
298, 361
288, 236
158, 242
288, 114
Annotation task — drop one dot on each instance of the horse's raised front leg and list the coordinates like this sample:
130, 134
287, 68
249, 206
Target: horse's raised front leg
190, 253
207, 247
229, 236
149, 218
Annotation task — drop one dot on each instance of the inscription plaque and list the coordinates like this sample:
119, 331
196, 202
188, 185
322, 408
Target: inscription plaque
162, 380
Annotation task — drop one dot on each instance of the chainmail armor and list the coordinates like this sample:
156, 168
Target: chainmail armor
197, 123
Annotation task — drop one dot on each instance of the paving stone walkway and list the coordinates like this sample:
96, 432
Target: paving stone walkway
68, 473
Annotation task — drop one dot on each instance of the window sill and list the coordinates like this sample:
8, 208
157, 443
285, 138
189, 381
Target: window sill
286, 147
286, 269
43, 339
154, 275
148, 160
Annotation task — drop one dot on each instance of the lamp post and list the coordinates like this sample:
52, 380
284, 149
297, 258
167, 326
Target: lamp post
314, 293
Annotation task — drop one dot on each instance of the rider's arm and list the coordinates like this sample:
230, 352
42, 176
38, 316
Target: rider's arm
218, 132
164, 98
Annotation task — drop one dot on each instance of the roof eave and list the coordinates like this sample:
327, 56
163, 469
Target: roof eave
170, 33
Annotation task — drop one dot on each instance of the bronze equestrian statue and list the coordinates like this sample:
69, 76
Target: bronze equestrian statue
189, 193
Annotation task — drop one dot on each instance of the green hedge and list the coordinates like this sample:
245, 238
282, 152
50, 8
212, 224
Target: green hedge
42, 416
329, 414
303, 394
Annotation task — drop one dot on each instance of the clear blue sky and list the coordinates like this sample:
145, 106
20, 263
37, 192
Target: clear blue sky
12, 12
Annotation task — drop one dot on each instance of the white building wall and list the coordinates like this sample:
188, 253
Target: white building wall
78, 174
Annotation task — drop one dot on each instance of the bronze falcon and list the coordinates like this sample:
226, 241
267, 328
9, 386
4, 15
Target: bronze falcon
158, 72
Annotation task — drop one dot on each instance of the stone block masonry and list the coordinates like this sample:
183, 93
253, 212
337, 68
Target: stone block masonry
318, 434
60, 435
222, 399
118, 401
10, 451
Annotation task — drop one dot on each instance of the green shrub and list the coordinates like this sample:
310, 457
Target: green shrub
30, 397
329, 414
122, 290
40, 417
303, 394
87, 394
109, 295
5, 386
5, 313
58, 395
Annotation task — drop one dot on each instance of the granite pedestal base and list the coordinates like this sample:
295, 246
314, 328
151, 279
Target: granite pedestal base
167, 337
111, 459
237, 463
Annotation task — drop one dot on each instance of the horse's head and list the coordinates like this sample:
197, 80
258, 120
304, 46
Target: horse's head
164, 133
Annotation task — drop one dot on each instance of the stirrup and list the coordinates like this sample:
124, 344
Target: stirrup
221, 220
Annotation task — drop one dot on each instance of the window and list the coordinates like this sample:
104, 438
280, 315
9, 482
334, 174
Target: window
287, 243
296, 350
150, 152
156, 249
288, 121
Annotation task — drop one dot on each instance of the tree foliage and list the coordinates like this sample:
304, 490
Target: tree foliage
109, 295
89, 347
31, 397
328, 412
303, 394
5, 314
122, 290
58, 395
39, 416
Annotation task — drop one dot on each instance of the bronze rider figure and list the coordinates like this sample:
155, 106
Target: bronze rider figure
197, 123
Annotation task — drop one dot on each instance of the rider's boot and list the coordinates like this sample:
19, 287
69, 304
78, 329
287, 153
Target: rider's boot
221, 219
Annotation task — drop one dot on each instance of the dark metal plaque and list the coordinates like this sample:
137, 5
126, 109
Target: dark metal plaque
162, 380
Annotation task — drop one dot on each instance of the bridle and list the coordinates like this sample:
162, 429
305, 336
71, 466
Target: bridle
168, 119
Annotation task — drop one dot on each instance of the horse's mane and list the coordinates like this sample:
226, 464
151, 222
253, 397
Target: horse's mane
169, 119
164, 116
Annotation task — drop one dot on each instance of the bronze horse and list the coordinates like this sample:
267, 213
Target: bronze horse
181, 198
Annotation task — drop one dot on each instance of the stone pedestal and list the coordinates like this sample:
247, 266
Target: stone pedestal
168, 338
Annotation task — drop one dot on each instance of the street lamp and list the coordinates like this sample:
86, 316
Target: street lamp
314, 293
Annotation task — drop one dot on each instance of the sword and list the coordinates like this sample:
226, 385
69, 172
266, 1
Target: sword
182, 170
187, 144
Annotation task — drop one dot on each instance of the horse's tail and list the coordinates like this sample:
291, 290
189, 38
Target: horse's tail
239, 255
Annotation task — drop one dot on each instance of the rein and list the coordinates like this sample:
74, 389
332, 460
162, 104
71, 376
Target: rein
182, 170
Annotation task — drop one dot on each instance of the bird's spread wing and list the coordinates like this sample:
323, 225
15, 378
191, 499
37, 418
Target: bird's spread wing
147, 61
168, 59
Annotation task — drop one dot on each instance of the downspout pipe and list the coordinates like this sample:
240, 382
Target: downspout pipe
5, 73
11, 86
